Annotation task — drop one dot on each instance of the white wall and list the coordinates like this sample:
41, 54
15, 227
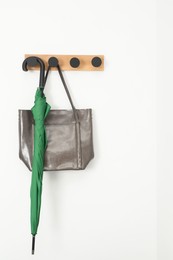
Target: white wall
109, 211
165, 128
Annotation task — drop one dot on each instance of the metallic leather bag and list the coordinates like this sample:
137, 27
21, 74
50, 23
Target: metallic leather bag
69, 136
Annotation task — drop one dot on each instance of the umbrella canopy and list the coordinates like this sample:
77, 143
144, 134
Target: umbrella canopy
40, 111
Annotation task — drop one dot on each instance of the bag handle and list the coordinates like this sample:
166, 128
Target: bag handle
53, 62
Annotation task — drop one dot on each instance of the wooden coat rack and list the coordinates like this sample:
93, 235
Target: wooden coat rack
73, 62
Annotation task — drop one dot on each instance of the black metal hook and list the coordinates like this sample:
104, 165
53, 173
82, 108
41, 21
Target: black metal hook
34, 61
74, 62
96, 62
52, 63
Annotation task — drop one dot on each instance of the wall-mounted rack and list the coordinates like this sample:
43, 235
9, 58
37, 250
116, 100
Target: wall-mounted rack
73, 62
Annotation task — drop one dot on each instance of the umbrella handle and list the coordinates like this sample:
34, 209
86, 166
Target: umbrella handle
32, 62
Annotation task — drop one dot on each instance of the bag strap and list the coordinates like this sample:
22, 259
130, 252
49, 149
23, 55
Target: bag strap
53, 62
65, 87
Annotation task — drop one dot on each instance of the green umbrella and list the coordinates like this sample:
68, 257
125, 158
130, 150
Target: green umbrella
40, 111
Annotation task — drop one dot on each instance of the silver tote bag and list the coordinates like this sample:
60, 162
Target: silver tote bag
69, 135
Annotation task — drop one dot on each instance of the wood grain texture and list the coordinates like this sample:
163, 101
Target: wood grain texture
64, 61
